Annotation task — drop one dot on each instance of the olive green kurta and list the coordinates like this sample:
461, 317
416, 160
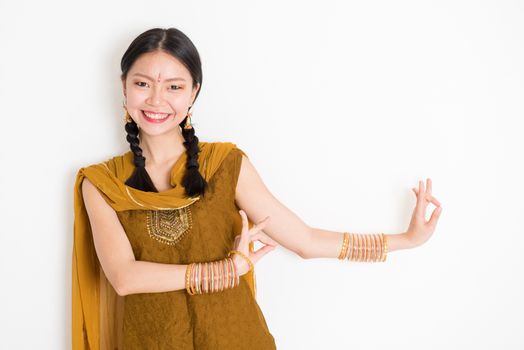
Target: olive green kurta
230, 319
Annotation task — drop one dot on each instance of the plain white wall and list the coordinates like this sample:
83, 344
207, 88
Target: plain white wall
341, 106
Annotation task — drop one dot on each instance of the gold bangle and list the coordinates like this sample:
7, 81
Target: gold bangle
208, 277
381, 254
372, 248
348, 251
193, 279
226, 281
201, 279
195, 275
220, 275
212, 276
204, 283
378, 246
232, 273
251, 267
226, 274
345, 242
213, 284
365, 247
368, 238
362, 247
188, 272
358, 247
385, 238
351, 246
217, 277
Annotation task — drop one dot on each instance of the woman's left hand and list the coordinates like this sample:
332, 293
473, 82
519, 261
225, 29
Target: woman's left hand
420, 230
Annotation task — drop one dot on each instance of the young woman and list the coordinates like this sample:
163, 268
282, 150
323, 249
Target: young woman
163, 250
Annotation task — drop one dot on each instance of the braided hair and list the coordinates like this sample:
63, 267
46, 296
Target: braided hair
193, 181
176, 43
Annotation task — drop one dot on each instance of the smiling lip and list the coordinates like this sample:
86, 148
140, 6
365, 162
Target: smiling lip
151, 120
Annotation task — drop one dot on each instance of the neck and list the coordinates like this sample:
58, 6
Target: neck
161, 149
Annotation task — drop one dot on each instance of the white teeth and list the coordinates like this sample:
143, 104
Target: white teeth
155, 115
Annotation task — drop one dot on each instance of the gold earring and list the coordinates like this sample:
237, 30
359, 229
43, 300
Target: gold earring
127, 117
188, 121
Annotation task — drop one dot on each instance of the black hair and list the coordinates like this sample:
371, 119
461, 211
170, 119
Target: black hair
177, 44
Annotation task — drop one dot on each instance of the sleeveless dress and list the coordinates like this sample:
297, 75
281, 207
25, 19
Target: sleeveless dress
204, 231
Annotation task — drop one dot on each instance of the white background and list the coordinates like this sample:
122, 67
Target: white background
341, 106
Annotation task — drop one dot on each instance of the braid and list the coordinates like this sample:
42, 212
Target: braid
193, 181
140, 178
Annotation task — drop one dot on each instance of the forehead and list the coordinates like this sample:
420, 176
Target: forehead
159, 64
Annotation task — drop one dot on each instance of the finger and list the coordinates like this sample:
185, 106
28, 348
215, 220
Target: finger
259, 225
435, 201
244, 220
429, 186
261, 252
435, 216
431, 199
420, 206
243, 238
264, 238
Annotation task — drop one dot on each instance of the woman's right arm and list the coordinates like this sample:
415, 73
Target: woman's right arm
126, 275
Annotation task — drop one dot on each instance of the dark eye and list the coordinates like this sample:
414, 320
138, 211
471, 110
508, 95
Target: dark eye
140, 82
178, 87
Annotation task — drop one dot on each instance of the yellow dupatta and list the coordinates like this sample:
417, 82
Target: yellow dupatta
96, 307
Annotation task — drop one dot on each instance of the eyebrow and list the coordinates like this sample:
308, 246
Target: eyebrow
148, 77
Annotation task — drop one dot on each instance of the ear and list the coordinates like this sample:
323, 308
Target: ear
193, 94
124, 86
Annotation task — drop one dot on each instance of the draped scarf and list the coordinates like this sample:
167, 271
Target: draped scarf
96, 307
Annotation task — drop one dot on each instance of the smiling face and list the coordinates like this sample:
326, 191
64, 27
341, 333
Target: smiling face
158, 83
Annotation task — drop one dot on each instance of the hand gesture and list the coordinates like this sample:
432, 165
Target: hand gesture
420, 230
247, 235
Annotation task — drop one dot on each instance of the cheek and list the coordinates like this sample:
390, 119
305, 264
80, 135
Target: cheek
179, 103
135, 100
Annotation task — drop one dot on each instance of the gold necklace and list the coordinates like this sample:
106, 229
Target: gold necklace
169, 226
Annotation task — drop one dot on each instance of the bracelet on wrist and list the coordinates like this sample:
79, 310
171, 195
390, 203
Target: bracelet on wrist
364, 247
210, 277
250, 264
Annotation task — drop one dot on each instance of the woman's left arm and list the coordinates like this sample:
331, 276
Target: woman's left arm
288, 230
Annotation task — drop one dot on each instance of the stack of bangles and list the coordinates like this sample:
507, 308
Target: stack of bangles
364, 247
214, 276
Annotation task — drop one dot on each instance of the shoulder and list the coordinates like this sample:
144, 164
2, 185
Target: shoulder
118, 166
218, 145
93, 197
222, 150
224, 156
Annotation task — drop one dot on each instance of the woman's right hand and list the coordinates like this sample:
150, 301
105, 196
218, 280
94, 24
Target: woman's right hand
246, 236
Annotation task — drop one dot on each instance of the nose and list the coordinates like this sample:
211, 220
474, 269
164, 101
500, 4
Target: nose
155, 97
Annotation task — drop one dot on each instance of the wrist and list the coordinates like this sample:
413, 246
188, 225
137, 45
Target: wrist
404, 241
241, 265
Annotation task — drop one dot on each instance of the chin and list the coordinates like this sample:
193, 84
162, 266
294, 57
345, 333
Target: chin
157, 130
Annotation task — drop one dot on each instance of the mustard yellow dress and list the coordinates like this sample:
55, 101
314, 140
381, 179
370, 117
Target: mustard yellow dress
202, 231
